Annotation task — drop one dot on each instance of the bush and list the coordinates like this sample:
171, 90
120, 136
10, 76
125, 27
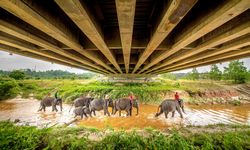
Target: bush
8, 88
23, 137
17, 74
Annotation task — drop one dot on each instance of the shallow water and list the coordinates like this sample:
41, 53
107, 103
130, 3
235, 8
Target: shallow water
26, 111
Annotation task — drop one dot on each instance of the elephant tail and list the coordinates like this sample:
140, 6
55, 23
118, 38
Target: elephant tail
40, 108
158, 109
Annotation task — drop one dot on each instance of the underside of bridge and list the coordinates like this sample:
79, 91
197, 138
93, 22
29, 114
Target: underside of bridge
129, 38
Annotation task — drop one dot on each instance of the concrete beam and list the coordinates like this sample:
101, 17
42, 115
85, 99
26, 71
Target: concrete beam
234, 33
129, 76
126, 13
216, 62
174, 13
46, 23
29, 37
239, 43
223, 56
83, 19
214, 19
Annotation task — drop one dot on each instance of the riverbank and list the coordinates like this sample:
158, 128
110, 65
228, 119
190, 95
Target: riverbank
193, 92
22, 137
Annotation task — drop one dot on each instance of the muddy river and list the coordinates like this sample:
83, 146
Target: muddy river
26, 111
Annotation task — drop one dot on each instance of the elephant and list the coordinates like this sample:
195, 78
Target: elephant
81, 101
169, 105
83, 110
100, 104
125, 104
50, 101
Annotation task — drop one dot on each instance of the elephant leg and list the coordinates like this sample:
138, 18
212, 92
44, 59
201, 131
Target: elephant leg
166, 114
56, 108
44, 108
128, 111
173, 112
81, 115
137, 110
107, 111
120, 112
94, 112
114, 111
85, 115
179, 111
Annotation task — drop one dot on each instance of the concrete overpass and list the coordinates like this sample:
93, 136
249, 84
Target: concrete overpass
127, 37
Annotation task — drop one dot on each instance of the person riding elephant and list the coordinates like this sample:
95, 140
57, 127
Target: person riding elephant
131, 98
50, 101
169, 105
125, 104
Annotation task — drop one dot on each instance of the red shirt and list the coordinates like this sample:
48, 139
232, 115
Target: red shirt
176, 96
131, 97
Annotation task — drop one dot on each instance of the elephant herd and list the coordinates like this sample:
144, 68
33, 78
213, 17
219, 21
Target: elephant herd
86, 106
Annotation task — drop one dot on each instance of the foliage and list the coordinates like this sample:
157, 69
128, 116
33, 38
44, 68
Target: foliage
194, 75
170, 76
50, 74
24, 137
8, 88
17, 74
236, 71
215, 73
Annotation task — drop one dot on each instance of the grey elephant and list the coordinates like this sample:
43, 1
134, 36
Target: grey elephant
80, 111
100, 104
50, 101
81, 101
125, 104
169, 105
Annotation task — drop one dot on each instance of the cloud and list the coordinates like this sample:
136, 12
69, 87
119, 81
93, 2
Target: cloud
14, 61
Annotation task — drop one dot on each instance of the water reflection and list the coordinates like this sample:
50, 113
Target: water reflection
26, 110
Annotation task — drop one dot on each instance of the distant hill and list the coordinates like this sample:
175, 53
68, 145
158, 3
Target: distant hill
51, 74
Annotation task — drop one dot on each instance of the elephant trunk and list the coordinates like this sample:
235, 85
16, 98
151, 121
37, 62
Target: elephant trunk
157, 113
61, 106
137, 110
182, 108
71, 106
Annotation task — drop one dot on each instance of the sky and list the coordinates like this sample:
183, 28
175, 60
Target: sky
13, 62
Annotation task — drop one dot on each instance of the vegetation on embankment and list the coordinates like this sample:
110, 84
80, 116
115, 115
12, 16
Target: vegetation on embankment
191, 91
26, 137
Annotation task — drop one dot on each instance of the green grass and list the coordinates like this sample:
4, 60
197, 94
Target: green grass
71, 89
24, 137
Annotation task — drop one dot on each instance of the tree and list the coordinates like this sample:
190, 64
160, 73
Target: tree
215, 73
194, 75
169, 76
17, 74
236, 71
